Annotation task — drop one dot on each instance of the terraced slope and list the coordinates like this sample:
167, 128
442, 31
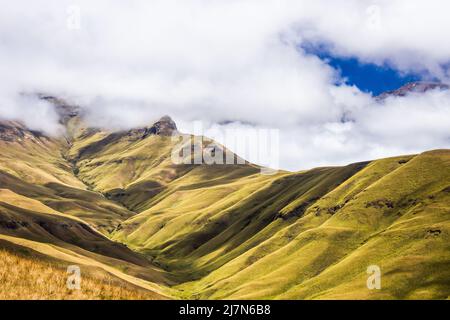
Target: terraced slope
116, 201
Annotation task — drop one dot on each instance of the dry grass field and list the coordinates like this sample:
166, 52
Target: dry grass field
29, 277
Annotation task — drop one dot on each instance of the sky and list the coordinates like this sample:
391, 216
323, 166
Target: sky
367, 77
309, 69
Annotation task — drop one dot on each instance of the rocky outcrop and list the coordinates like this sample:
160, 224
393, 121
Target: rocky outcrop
163, 127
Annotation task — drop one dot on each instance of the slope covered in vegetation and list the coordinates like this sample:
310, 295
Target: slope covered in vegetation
28, 275
116, 202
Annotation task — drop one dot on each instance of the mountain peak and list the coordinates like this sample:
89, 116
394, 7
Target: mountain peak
164, 126
413, 87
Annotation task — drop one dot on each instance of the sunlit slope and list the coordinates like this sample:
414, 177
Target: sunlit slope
34, 165
132, 167
116, 201
28, 274
25, 218
34, 157
29, 223
43, 202
232, 217
226, 231
394, 213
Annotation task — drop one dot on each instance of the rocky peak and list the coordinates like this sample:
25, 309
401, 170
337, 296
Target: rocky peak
66, 111
413, 87
163, 127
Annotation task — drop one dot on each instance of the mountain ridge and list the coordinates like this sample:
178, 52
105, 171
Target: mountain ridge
114, 201
413, 87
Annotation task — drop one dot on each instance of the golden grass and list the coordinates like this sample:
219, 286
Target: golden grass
30, 278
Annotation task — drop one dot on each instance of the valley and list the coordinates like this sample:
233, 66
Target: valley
115, 204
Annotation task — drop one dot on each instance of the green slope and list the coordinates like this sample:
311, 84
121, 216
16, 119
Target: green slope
325, 253
226, 231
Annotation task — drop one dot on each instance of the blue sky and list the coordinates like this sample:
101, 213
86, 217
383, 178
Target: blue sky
367, 77
370, 77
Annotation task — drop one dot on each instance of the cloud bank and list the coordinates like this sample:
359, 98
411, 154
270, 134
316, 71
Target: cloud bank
131, 62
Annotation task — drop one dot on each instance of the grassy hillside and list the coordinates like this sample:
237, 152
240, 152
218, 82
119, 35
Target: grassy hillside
35, 166
398, 221
115, 202
26, 274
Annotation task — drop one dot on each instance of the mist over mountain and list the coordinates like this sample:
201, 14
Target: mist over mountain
251, 149
115, 203
131, 65
370, 128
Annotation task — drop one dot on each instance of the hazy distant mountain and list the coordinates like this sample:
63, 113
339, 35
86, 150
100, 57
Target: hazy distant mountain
414, 87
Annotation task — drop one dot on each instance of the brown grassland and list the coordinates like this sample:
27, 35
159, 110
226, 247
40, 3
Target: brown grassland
27, 276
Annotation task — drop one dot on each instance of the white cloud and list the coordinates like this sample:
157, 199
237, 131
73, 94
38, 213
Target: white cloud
130, 63
35, 113
408, 34
398, 126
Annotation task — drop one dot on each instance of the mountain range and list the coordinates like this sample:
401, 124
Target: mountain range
141, 227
